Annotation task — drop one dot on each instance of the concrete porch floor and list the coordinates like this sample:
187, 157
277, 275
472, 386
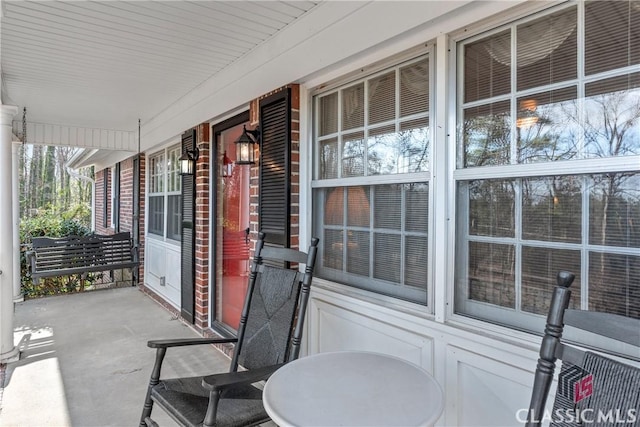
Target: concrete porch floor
85, 361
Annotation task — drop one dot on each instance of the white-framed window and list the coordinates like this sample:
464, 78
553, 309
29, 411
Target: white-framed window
548, 163
371, 180
165, 197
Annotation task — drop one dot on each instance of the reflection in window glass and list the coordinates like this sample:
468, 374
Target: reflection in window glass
614, 210
491, 208
552, 209
612, 117
546, 126
486, 135
329, 158
548, 163
353, 155
492, 273
614, 283
383, 151
414, 146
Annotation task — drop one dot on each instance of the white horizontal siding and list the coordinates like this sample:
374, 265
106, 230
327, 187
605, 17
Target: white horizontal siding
74, 136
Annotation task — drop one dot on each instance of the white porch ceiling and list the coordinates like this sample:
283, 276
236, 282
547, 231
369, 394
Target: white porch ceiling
104, 64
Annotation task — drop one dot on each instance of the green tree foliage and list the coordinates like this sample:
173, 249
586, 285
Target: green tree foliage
51, 222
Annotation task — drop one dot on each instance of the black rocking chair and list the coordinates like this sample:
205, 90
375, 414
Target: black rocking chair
592, 389
269, 336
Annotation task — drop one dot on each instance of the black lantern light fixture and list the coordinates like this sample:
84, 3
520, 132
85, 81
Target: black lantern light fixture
188, 161
245, 146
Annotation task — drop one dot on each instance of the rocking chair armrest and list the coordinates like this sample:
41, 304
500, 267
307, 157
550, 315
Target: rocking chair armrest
181, 342
231, 379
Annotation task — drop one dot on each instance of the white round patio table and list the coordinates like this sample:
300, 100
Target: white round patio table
352, 389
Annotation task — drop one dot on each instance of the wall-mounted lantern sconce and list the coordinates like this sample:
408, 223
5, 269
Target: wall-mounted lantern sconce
245, 146
227, 166
188, 161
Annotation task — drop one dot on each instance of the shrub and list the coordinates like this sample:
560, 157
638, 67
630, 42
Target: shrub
51, 223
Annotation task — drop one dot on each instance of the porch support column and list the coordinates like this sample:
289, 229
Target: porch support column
17, 292
8, 351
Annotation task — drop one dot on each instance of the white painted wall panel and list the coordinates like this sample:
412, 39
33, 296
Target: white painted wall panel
340, 329
486, 377
481, 391
162, 260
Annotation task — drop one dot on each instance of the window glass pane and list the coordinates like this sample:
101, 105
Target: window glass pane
173, 175
575, 99
156, 215
388, 207
334, 207
491, 208
547, 49
552, 209
358, 252
391, 256
546, 126
382, 98
353, 107
174, 217
487, 67
612, 117
328, 114
383, 150
416, 262
387, 254
414, 88
414, 146
614, 210
614, 283
156, 171
486, 134
358, 206
353, 154
333, 249
539, 269
612, 35
329, 158
491, 273
417, 207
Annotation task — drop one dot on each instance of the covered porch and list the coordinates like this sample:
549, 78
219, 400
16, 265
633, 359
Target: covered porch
85, 361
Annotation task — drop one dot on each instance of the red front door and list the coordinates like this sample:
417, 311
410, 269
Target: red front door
232, 230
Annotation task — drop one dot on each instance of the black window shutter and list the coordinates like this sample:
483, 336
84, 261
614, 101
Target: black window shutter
116, 199
275, 182
188, 236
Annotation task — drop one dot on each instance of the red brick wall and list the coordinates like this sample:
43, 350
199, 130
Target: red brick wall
126, 203
202, 230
